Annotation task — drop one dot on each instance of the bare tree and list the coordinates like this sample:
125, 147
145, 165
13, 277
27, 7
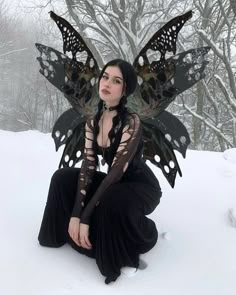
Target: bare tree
119, 28
220, 88
25, 102
210, 105
233, 6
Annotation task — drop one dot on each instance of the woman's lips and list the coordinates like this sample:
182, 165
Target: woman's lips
106, 91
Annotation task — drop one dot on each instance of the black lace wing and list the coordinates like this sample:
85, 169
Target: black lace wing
161, 136
162, 80
155, 87
189, 68
52, 65
76, 77
174, 131
163, 40
69, 131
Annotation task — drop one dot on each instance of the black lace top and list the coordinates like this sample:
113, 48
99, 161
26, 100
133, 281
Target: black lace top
128, 146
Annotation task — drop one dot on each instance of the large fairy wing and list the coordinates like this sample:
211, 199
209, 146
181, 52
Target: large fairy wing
52, 65
163, 40
76, 78
161, 136
173, 130
159, 89
159, 151
189, 68
64, 127
162, 80
72, 41
69, 131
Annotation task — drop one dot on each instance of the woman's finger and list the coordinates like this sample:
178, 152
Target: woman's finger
87, 241
74, 237
70, 231
78, 241
83, 243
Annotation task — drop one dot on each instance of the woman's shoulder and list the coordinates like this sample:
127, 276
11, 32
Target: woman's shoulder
90, 121
133, 117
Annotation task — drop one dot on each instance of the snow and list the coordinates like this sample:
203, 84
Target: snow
230, 155
195, 253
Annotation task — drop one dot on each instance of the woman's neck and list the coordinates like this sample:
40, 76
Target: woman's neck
110, 110
109, 114
109, 107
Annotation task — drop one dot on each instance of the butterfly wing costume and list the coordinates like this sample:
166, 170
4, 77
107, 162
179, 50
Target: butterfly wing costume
161, 81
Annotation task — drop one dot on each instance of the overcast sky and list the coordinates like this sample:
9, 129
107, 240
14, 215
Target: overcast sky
26, 8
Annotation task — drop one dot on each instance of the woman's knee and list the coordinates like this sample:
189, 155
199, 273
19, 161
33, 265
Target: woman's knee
151, 201
119, 199
58, 175
61, 175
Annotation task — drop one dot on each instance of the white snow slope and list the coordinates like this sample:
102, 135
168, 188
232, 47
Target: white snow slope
195, 253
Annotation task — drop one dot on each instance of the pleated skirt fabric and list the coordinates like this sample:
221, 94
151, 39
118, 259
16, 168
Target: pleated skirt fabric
119, 229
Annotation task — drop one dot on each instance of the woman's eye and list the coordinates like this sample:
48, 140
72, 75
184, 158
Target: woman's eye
104, 77
117, 81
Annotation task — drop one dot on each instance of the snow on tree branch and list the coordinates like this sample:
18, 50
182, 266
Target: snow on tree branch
225, 91
233, 5
214, 47
13, 51
210, 98
223, 57
214, 128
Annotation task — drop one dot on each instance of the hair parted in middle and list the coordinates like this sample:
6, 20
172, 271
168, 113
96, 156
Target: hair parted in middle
130, 83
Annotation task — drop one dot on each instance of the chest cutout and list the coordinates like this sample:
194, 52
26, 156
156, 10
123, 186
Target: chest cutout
105, 126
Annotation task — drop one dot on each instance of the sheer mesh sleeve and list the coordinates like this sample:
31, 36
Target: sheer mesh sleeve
87, 170
127, 148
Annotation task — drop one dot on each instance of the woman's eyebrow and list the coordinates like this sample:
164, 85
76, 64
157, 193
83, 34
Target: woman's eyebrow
114, 76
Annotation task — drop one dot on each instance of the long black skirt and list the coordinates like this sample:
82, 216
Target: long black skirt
119, 229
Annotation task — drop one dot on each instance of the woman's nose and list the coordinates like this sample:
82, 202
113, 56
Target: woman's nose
107, 83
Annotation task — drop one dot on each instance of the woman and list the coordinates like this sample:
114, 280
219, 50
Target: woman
103, 215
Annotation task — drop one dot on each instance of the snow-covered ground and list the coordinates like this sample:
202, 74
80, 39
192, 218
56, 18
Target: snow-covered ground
195, 254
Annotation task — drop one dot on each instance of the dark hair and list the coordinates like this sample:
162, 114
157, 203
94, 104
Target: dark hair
118, 122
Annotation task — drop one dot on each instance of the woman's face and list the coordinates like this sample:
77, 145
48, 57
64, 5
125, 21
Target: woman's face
111, 86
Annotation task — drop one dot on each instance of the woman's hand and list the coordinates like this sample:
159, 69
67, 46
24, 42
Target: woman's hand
84, 236
74, 230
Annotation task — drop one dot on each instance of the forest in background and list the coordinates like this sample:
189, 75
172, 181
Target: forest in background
119, 28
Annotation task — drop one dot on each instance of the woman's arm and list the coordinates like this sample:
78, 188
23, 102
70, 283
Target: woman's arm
127, 148
87, 170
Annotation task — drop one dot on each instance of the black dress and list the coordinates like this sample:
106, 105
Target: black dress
114, 205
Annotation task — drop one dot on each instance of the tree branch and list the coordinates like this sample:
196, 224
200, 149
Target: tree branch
223, 57
13, 51
215, 129
225, 92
